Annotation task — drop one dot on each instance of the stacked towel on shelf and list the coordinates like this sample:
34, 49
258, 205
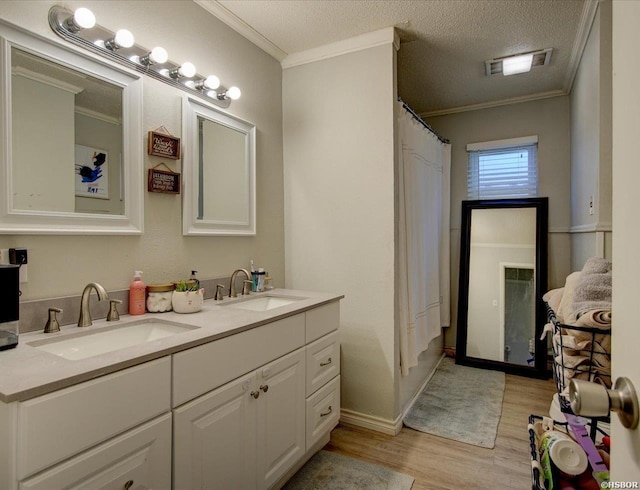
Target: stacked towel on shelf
584, 302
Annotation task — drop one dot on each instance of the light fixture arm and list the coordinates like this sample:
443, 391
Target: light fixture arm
87, 39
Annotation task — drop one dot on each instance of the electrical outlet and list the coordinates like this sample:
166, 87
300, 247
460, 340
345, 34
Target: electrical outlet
591, 205
18, 256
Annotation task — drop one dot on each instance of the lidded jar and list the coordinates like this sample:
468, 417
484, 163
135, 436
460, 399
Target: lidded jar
159, 297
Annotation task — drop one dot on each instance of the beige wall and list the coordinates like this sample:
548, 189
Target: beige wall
62, 265
591, 145
339, 208
547, 118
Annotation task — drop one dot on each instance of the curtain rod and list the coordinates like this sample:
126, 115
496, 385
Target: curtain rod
422, 121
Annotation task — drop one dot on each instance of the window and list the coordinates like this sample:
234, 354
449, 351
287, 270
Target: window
503, 169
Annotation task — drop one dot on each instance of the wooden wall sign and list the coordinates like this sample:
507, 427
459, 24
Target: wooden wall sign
163, 145
164, 181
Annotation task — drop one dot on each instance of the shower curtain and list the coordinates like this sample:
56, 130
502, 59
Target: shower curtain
423, 237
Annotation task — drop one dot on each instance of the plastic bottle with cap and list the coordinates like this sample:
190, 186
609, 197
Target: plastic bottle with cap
137, 295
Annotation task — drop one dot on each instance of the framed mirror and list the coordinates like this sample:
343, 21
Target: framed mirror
219, 167
503, 275
71, 158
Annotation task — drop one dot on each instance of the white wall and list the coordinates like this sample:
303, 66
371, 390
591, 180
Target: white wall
591, 144
550, 120
60, 265
339, 213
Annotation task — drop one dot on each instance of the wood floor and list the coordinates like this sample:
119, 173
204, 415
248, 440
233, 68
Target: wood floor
438, 463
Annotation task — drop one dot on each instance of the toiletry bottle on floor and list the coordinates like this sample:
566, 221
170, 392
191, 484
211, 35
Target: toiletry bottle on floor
137, 293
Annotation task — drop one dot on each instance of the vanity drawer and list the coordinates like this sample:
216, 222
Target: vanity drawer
323, 361
322, 320
58, 425
201, 369
323, 411
142, 456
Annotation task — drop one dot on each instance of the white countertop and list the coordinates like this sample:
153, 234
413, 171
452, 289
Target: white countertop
28, 372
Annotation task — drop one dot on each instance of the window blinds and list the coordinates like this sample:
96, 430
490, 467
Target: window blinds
503, 173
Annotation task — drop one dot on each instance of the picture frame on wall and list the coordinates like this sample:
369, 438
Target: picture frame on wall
163, 145
91, 170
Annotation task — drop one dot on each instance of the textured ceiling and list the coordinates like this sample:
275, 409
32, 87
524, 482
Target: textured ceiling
444, 43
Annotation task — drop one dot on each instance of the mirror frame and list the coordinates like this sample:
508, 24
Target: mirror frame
20, 221
191, 226
541, 205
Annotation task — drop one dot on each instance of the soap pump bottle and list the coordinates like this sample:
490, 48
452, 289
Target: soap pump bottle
137, 293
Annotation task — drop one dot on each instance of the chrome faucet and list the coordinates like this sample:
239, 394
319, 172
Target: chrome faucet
85, 314
232, 286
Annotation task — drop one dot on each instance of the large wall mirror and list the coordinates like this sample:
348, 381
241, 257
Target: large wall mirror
503, 274
219, 172
71, 151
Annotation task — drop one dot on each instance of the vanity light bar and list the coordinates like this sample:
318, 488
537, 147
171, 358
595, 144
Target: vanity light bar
79, 28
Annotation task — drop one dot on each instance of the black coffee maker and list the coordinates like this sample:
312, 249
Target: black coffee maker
9, 305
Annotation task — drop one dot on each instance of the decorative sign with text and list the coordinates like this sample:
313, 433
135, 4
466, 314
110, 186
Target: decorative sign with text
164, 181
163, 145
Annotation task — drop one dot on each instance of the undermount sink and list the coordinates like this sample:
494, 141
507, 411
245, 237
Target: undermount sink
92, 343
263, 303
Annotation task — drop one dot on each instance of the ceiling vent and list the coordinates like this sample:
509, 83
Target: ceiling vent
540, 58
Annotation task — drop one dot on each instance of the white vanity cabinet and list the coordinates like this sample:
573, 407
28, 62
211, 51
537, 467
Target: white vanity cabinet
109, 432
240, 412
252, 431
245, 434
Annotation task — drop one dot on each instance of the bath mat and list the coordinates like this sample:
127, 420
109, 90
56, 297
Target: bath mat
460, 403
332, 471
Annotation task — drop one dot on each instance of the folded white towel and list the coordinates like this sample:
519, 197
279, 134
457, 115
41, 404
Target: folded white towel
593, 289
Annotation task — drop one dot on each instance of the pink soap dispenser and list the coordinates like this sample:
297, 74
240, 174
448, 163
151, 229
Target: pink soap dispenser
137, 295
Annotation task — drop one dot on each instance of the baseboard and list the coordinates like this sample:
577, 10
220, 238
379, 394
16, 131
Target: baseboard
371, 422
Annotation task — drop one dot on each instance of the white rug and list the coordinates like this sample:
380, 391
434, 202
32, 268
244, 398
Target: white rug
332, 471
460, 403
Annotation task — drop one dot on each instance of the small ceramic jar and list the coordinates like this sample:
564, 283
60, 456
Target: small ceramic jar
187, 301
159, 297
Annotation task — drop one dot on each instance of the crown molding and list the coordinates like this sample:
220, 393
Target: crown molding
237, 24
46, 80
584, 28
368, 40
495, 103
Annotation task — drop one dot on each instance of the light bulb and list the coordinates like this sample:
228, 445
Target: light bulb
84, 18
233, 93
123, 38
187, 70
212, 82
157, 55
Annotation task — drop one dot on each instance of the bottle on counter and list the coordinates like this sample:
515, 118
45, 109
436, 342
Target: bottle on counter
159, 297
137, 295
258, 280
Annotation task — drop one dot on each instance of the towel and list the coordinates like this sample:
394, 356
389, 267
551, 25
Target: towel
564, 313
553, 298
593, 289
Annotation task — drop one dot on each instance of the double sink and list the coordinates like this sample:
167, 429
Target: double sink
89, 343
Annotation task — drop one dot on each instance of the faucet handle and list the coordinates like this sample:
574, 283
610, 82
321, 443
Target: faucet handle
52, 323
219, 295
246, 286
113, 314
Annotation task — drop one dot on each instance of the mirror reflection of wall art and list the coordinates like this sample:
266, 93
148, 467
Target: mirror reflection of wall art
91, 172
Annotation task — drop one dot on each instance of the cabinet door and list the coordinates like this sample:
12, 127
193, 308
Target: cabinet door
214, 439
136, 460
281, 417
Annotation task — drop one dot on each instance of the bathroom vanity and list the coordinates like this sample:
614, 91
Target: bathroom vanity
240, 397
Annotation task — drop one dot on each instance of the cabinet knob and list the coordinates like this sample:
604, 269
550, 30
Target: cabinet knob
128, 485
324, 414
264, 388
255, 394
329, 361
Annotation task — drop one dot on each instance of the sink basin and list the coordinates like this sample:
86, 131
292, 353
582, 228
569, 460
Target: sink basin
263, 303
92, 343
